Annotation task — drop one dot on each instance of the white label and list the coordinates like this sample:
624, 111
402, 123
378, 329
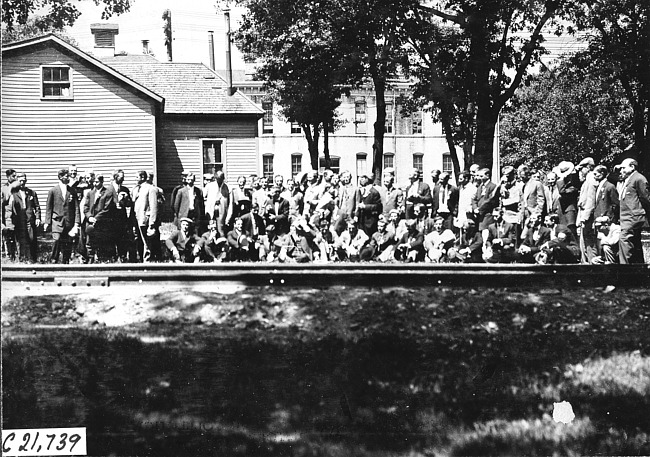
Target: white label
44, 441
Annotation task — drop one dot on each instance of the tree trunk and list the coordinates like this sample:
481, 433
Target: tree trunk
326, 145
641, 141
312, 143
449, 136
380, 128
486, 121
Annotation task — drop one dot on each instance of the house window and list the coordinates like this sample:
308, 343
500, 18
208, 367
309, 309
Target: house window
416, 123
389, 160
389, 118
335, 163
296, 164
360, 115
267, 122
417, 161
267, 167
57, 82
212, 156
295, 128
447, 164
362, 164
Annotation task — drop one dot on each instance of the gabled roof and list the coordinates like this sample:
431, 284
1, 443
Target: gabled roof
188, 88
78, 54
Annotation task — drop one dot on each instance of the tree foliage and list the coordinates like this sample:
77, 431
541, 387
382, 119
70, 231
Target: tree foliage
32, 28
53, 14
498, 42
566, 114
619, 45
292, 43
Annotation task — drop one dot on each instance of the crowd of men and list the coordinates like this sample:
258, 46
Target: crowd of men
573, 214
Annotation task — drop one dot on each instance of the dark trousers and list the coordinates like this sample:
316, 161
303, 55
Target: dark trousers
9, 238
62, 247
629, 244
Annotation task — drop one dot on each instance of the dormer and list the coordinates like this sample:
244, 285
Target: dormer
104, 38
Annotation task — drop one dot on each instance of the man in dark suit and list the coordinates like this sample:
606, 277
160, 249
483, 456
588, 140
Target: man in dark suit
98, 222
23, 218
63, 216
368, 205
568, 186
607, 202
500, 238
485, 200
445, 201
277, 211
184, 245
118, 199
417, 192
534, 236
189, 203
635, 209
254, 225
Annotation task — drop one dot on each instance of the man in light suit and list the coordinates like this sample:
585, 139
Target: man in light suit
607, 201
586, 205
635, 210
417, 192
189, 203
8, 238
552, 194
144, 215
24, 218
217, 199
532, 195
63, 216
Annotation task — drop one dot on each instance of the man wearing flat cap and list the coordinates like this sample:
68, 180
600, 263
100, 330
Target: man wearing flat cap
23, 218
184, 245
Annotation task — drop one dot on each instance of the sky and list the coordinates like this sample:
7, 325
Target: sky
191, 20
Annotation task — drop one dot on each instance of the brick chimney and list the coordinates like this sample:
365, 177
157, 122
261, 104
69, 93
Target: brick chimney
104, 39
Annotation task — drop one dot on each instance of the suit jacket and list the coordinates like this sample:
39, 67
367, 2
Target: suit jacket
635, 200
506, 233
115, 207
62, 211
552, 197
279, 218
145, 205
247, 224
415, 242
369, 215
184, 244
452, 202
535, 245
568, 187
217, 198
485, 200
532, 199
422, 195
347, 200
587, 199
22, 214
182, 202
607, 203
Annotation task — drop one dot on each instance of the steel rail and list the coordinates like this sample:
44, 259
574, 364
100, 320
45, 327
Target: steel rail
324, 275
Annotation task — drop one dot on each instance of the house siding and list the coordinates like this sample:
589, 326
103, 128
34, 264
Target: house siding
179, 147
104, 127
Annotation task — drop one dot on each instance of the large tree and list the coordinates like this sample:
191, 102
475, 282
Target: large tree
291, 42
501, 40
619, 45
567, 113
53, 14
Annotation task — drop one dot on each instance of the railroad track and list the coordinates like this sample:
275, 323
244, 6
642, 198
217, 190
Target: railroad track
324, 275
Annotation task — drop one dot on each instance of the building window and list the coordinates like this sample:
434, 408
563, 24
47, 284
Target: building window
389, 118
212, 156
389, 160
362, 164
295, 128
335, 163
360, 115
447, 164
57, 82
267, 167
416, 123
417, 161
267, 122
296, 164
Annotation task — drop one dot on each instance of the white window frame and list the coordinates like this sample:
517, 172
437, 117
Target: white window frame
267, 125
389, 127
296, 155
70, 96
420, 158
392, 157
416, 123
336, 168
270, 174
360, 116
296, 129
223, 154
